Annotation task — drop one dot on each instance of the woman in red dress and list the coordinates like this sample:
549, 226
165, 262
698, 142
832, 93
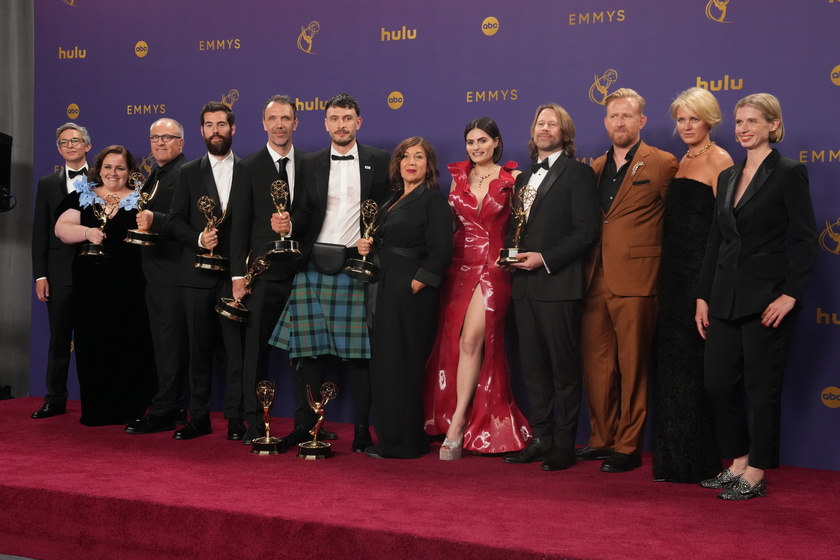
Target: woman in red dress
467, 391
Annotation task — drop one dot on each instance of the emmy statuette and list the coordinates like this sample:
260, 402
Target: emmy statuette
103, 213
210, 261
236, 310
525, 197
313, 450
283, 249
142, 237
266, 445
363, 269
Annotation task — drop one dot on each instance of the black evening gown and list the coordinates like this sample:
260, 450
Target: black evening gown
414, 242
684, 440
114, 357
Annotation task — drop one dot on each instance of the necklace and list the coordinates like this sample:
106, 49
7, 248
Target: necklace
481, 178
689, 155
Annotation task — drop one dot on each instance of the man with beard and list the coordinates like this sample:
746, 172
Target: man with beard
218, 175
324, 323
267, 295
52, 263
163, 288
561, 223
619, 315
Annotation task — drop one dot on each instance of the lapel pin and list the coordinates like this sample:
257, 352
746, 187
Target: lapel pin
636, 168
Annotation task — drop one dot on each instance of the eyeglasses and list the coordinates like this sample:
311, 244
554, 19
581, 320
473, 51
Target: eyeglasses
167, 138
72, 141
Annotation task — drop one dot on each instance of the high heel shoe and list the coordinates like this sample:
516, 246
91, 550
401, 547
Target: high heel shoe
724, 480
451, 450
743, 491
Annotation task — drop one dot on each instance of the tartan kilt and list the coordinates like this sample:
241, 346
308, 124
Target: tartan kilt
325, 314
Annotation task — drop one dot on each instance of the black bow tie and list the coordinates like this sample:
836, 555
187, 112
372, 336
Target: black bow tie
537, 166
74, 174
335, 157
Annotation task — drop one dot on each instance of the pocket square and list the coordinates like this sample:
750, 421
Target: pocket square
641, 182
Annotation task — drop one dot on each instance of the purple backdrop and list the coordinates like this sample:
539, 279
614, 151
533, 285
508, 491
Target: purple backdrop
428, 68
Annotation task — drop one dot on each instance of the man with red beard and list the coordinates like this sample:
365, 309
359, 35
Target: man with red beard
619, 315
217, 175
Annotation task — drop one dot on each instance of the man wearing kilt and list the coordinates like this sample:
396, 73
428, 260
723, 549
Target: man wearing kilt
324, 322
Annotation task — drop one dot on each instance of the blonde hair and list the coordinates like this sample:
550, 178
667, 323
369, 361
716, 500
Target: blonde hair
626, 93
700, 102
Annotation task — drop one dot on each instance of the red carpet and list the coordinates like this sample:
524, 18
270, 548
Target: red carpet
72, 492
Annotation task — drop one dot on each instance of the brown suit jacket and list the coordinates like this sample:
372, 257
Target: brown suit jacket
631, 232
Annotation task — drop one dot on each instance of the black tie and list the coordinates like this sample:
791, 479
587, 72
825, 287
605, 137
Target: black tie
281, 166
335, 157
74, 174
537, 166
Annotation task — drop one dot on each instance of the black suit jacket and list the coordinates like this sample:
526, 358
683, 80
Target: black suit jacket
563, 224
50, 257
252, 222
310, 203
747, 264
187, 222
162, 261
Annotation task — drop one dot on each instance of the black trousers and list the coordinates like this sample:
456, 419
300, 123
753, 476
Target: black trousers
745, 358
165, 305
549, 348
60, 315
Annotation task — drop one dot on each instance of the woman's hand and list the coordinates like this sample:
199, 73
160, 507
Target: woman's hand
777, 310
701, 317
416, 286
365, 246
95, 235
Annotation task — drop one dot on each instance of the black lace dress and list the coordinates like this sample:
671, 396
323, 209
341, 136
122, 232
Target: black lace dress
684, 440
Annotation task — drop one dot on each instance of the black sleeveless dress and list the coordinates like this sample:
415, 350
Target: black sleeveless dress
684, 447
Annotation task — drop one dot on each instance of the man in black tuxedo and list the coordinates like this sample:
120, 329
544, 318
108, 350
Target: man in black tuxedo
326, 219
52, 263
218, 175
561, 224
161, 262
267, 295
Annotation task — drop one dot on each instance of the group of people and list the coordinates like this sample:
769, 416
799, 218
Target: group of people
602, 256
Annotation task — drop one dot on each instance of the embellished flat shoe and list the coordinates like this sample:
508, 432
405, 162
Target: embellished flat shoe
722, 481
743, 491
451, 450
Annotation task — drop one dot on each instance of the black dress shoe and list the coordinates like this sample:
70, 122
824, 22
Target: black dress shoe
724, 480
49, 410
194, 428
743, 491
326, 435
361, 438
253, 432
532, 452
621, 462
236, 429
296, 437
592, 453
558, 460
150, 424
373, 453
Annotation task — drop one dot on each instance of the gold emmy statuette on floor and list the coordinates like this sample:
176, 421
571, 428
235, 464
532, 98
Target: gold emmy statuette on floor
318, 449
266, 445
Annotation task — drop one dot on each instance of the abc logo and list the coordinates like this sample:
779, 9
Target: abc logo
141, 49
73, 111
835, 76
831, 397
395, 100
490, 26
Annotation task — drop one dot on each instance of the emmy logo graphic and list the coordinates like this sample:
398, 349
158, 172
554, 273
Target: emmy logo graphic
146, 164
230, 98
70, 2
830, 237
720, 5
602, 85
304, 40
